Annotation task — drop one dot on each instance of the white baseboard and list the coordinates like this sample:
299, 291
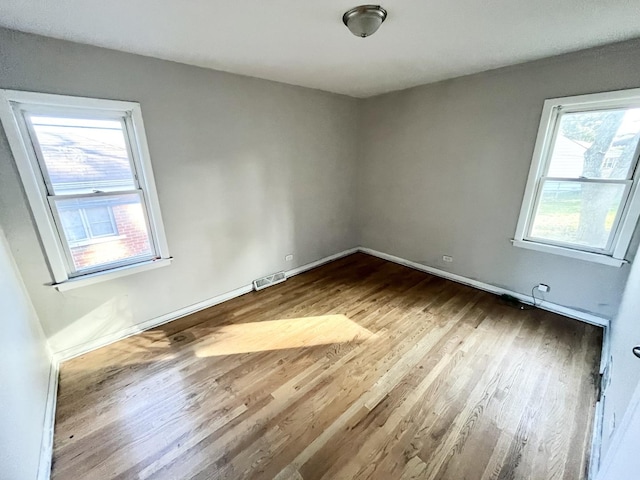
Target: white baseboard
46, 447
598, 421
81, 349
605, 356
596, 441
91, 345
552, 307
322, 261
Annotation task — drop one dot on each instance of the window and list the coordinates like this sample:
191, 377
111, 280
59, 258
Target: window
88, 223
87, 174
582, 196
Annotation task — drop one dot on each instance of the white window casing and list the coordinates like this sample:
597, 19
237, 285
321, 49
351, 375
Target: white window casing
13, 105
629, 211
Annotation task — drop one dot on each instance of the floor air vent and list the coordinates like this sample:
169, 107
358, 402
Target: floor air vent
269, 280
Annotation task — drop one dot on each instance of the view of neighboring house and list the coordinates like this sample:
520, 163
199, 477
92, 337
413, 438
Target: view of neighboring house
82, 158
568, 156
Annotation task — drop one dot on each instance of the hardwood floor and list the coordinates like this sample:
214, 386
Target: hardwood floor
358, 369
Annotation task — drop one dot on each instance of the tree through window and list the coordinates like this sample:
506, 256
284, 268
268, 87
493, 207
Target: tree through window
582, 186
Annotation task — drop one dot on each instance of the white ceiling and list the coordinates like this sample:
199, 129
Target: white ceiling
304, 42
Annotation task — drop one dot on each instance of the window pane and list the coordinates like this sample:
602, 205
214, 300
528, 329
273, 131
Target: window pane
596, 144
102, 229
83, 155
132, 241
73, 224
100, 223
577, 212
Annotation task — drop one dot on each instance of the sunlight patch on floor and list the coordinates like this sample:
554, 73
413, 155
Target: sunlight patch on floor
282, 334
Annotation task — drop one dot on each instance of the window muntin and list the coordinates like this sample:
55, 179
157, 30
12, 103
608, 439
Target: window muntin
86, 170
581, 194
87, 223
121, 214
100, 221
74, 224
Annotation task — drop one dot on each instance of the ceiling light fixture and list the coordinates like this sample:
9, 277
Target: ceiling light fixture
364, 20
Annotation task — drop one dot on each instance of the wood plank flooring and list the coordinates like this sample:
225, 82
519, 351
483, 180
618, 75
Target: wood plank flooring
359, 369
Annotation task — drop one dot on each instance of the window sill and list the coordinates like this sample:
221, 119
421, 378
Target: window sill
568, 252
93, 278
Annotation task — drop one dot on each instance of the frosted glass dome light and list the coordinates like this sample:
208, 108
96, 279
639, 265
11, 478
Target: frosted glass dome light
364, 20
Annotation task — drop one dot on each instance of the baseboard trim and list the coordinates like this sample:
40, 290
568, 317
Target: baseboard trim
605, 356
552, 307
322, 261
46, 447
598, 420
596, 441
75, 351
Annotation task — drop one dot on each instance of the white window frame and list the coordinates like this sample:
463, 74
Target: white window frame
12, 103
630, 212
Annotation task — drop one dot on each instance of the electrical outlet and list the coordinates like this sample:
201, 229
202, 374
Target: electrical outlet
447, 258
543, 288
289, 257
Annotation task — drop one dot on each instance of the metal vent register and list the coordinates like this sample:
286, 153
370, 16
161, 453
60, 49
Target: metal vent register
269, 280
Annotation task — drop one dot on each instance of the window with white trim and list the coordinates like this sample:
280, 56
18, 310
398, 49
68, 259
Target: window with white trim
88, 178
581, 198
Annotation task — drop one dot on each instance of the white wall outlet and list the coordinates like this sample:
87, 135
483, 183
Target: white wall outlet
289, 257
447, 258
544, 288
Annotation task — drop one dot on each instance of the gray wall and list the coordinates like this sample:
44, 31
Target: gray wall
443, 169
247, 171
625, 368
24, 375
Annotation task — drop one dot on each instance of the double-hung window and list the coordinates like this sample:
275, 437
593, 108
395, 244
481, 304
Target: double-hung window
86, 170
582, 197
